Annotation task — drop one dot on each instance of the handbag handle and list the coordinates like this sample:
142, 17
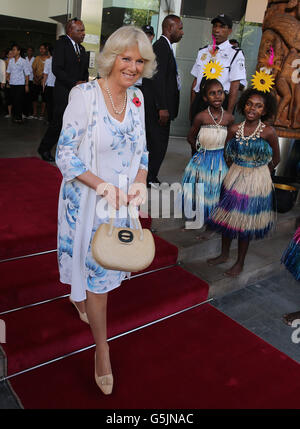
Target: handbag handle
132, 215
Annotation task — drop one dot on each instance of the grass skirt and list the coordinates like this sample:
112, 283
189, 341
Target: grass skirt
207, 167
291, 256
246, 207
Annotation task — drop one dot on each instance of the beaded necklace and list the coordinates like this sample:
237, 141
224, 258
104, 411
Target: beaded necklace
240, 137
221, 117
117, 112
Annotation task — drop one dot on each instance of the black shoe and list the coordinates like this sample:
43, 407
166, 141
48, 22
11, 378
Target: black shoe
46, 156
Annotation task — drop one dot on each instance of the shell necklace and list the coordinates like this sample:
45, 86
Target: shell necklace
117, 112
255, 135
221, 117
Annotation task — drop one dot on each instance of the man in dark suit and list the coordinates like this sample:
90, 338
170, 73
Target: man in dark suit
161, 96
70, 66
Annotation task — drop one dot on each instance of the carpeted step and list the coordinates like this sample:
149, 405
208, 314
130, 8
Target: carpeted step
30, 280
44, 332
35, 279
200, 359
29, 190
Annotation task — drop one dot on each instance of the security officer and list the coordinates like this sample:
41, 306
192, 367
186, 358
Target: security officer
229, 57
149, 31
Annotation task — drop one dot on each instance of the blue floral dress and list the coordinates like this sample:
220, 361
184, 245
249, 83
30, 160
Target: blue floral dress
91, 139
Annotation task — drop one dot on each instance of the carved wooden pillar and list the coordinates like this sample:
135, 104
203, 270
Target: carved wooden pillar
281, 30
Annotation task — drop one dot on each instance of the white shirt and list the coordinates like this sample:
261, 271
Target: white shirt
170, 44
18, 70
2, 72
74, 44
29, 64
48, 70
224, 56
139, 82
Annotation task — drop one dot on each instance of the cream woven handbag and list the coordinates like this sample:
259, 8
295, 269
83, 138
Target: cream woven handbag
123, 249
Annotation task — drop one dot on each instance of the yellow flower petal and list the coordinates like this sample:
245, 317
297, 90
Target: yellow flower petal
213, 70
262, 81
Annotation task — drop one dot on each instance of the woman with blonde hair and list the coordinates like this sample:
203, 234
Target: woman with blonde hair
102, 156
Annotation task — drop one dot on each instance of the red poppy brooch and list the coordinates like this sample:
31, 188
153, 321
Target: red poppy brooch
136, 100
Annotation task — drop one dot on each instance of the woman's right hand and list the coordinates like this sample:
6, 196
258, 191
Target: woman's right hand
113, 195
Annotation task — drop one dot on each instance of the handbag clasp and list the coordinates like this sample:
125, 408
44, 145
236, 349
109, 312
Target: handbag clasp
125, 236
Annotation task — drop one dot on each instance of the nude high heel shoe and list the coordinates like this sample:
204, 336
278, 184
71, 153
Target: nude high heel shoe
105, 382
83, 316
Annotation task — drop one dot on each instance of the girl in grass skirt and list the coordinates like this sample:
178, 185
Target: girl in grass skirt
208, 134
245, 210
291, 256
291, 260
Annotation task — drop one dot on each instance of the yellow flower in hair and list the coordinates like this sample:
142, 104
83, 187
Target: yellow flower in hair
213, 70
262, 81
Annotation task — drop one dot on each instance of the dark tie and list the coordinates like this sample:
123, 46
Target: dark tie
77, 50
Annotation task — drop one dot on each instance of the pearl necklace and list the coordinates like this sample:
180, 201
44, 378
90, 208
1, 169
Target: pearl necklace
117, 112
221, 118
256, 133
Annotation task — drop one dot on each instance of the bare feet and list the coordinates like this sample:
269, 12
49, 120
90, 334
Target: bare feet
290, 317
235, 270
218, 260
103, 366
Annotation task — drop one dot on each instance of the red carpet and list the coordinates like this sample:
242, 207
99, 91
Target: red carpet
198, 359
44, 332
29, 190
30, 280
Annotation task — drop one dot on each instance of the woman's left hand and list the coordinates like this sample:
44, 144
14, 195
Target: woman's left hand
137, 193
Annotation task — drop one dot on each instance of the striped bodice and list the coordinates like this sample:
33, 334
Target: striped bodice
211, 137
255, 153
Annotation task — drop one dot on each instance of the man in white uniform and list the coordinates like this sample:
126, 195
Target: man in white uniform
17, 75
229, 57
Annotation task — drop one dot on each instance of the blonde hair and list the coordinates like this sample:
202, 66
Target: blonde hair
118, 42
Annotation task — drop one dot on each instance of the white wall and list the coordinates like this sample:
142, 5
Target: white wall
174, 8
38, 10
256, 10
131, 4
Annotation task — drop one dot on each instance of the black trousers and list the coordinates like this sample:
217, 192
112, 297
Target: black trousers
157, 143
52, 134
7, 95
17, 95
49, 102
2, 101
27, 109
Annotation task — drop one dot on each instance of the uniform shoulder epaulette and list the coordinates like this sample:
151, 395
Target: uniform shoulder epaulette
237, 50
203, 47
